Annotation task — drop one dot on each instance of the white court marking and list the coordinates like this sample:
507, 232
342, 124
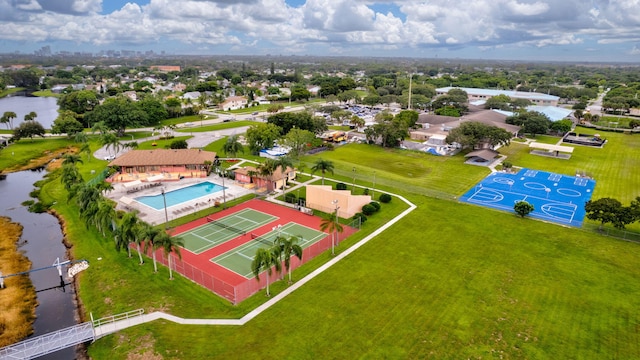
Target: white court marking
503, 181
569, 192
487, 196
560, 211
531, 173
534, 186
554, 177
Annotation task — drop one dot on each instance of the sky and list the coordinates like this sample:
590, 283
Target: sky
535, 30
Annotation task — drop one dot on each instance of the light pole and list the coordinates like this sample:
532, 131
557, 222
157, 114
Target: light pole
333, 235
224, 195
277, 228
353, 186
373, 196
166, 216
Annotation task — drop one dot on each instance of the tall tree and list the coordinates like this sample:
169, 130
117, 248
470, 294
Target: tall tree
232, 146
262, 136
127, 231
323, 166
331, 224
7, 118
265, 260
28, 129
289, 247
150, 235
170, 244
117, 114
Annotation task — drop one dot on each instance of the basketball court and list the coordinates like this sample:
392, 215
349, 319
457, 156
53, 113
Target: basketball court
555, 197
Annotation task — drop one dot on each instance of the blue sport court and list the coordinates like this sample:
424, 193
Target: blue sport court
556, 198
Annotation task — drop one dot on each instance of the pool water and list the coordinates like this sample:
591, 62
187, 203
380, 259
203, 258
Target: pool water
179, 196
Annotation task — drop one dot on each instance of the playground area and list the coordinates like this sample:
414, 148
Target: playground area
218, 249
556, 198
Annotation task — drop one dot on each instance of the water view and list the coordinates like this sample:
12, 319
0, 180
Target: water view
21, 104
42, 239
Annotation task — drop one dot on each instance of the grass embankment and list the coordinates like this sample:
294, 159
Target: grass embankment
28, 154
7, 92
18, 298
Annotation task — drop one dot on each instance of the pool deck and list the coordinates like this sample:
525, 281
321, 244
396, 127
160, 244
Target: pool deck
126, 200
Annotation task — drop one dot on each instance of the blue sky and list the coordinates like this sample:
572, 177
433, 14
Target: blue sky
554, 30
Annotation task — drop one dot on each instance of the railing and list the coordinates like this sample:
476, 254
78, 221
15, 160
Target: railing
115, 318
49, 343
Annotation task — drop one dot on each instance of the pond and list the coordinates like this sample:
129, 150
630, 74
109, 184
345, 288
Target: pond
42, 238
21, 103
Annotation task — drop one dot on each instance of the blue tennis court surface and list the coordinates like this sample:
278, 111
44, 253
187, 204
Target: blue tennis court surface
557, 198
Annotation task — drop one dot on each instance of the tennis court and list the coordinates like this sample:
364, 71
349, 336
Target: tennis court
219, 231
555, 197
239, 259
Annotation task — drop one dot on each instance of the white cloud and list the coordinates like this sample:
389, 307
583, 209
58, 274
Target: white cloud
526, 9
318, 26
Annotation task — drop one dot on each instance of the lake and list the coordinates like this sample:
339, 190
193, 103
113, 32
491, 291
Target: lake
22, 104
43, 236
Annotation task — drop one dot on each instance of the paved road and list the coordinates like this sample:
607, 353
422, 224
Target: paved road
199, 139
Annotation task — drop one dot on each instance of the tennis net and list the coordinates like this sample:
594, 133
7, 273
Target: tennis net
261, 239
225, 226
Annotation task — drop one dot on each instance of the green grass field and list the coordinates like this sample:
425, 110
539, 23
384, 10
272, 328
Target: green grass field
449, 281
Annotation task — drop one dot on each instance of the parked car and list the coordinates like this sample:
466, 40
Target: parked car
109, 157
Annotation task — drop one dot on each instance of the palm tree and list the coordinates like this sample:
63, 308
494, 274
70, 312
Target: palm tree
127, 231
7, 118
357, 121
331, 224
110, 140
284, 162
71, 159
150, 236
70, 176
289, 247
99, 127
104, 216
324, 166
30, 116
232, 146
170, 244
265, 259
266, 170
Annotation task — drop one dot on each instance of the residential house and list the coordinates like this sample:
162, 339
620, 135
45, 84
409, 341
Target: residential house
250, 175
233, 103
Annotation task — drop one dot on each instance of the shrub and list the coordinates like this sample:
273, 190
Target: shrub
341, 186
291, 198
384, 198
365, 192
368, 209
375, 205
361, 216
179, 144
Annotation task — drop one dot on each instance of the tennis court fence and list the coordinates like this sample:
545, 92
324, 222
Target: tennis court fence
239, 292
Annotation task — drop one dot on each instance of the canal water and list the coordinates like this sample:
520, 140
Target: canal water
22, 103
42, 238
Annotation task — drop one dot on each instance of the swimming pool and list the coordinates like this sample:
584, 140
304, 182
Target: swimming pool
176, 197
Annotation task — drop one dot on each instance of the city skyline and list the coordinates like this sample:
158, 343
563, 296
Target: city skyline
534, 30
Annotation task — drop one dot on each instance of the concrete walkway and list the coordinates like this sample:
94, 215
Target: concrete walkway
123, 324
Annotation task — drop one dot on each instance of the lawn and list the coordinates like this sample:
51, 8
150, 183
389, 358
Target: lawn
417, 172
225, 125
436, 286
614, 166
448, 281
160, 144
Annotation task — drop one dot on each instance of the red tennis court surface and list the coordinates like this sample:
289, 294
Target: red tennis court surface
227, 283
